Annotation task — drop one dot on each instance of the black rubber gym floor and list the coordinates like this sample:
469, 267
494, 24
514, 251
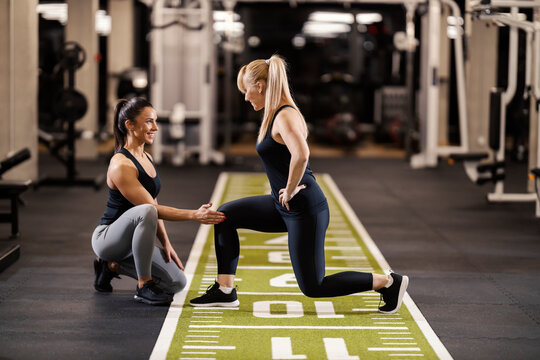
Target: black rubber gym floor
474, 266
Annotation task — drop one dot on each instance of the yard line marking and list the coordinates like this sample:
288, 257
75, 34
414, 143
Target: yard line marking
199, 352
210, 347
340, 232
296, 327
205, 336
205, 331
394, 333
201, 341
290, 268
209, 317
405, 354
393, 349
285, 247
208, 312
205, 321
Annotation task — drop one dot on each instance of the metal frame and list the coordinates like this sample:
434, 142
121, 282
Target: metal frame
205, 114
513, 20
428, 109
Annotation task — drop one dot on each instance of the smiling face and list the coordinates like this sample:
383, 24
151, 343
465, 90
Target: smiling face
144, 127
255, 93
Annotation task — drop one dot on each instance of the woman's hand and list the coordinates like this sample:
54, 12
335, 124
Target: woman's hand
171, 254
206, 216
285, 197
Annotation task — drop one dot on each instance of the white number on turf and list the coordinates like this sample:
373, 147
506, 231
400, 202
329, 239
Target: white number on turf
280, 240
293, 309
325, 309
337, 350
282, 349
285, 280
279, 257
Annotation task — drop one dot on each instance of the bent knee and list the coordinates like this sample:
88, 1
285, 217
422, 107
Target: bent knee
312, 291
147, 212
178, 284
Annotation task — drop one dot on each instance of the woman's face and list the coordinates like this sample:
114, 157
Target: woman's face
145, 126
255, 93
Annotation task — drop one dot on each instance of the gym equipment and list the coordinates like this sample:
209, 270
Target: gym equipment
428, 104
12, 189
70, 106
192, 83
500, 99
171, 136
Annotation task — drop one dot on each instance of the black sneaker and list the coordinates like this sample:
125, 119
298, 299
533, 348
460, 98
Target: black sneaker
215, 297
152, 295
393, 295
103, 276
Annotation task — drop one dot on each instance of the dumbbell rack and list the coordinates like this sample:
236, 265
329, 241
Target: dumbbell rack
70, 106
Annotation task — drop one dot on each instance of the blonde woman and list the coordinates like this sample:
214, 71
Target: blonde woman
296, 206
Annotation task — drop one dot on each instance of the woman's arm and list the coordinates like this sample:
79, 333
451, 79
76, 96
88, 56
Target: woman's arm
292, 130
124, 176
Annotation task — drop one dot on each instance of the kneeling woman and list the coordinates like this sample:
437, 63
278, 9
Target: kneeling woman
297, 205
124, 238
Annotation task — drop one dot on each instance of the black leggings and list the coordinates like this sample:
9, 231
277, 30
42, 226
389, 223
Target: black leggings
306, 245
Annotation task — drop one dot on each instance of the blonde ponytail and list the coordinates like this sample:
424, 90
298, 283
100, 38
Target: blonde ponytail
273, 72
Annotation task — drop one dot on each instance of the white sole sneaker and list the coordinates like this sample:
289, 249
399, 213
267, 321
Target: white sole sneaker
402, 290
217, 304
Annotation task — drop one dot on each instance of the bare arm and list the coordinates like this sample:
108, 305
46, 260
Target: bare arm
124, 177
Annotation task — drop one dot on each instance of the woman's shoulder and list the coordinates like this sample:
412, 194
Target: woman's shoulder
119, 162
288, 115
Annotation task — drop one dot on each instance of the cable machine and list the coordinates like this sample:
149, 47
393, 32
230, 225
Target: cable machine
182, 80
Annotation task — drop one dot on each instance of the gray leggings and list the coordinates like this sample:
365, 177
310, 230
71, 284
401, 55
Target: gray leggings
129, 240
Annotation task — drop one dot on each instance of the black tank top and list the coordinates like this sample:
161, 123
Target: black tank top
117, 204
276, 160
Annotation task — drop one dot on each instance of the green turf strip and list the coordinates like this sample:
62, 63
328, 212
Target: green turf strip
274, 320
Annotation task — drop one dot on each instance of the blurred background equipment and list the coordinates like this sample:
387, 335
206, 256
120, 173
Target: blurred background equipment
12, 189
69, 106
183, 68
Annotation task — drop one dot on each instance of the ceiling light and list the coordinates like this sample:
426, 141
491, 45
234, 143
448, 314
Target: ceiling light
333, 17
225, 15
320, 28
368, 18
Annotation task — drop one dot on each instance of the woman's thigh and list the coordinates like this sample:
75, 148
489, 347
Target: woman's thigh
114, 242
255, 213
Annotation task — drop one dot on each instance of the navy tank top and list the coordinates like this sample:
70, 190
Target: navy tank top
276, 160
117, 204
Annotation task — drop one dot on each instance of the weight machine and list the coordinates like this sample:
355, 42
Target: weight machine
494, 171
183, 82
